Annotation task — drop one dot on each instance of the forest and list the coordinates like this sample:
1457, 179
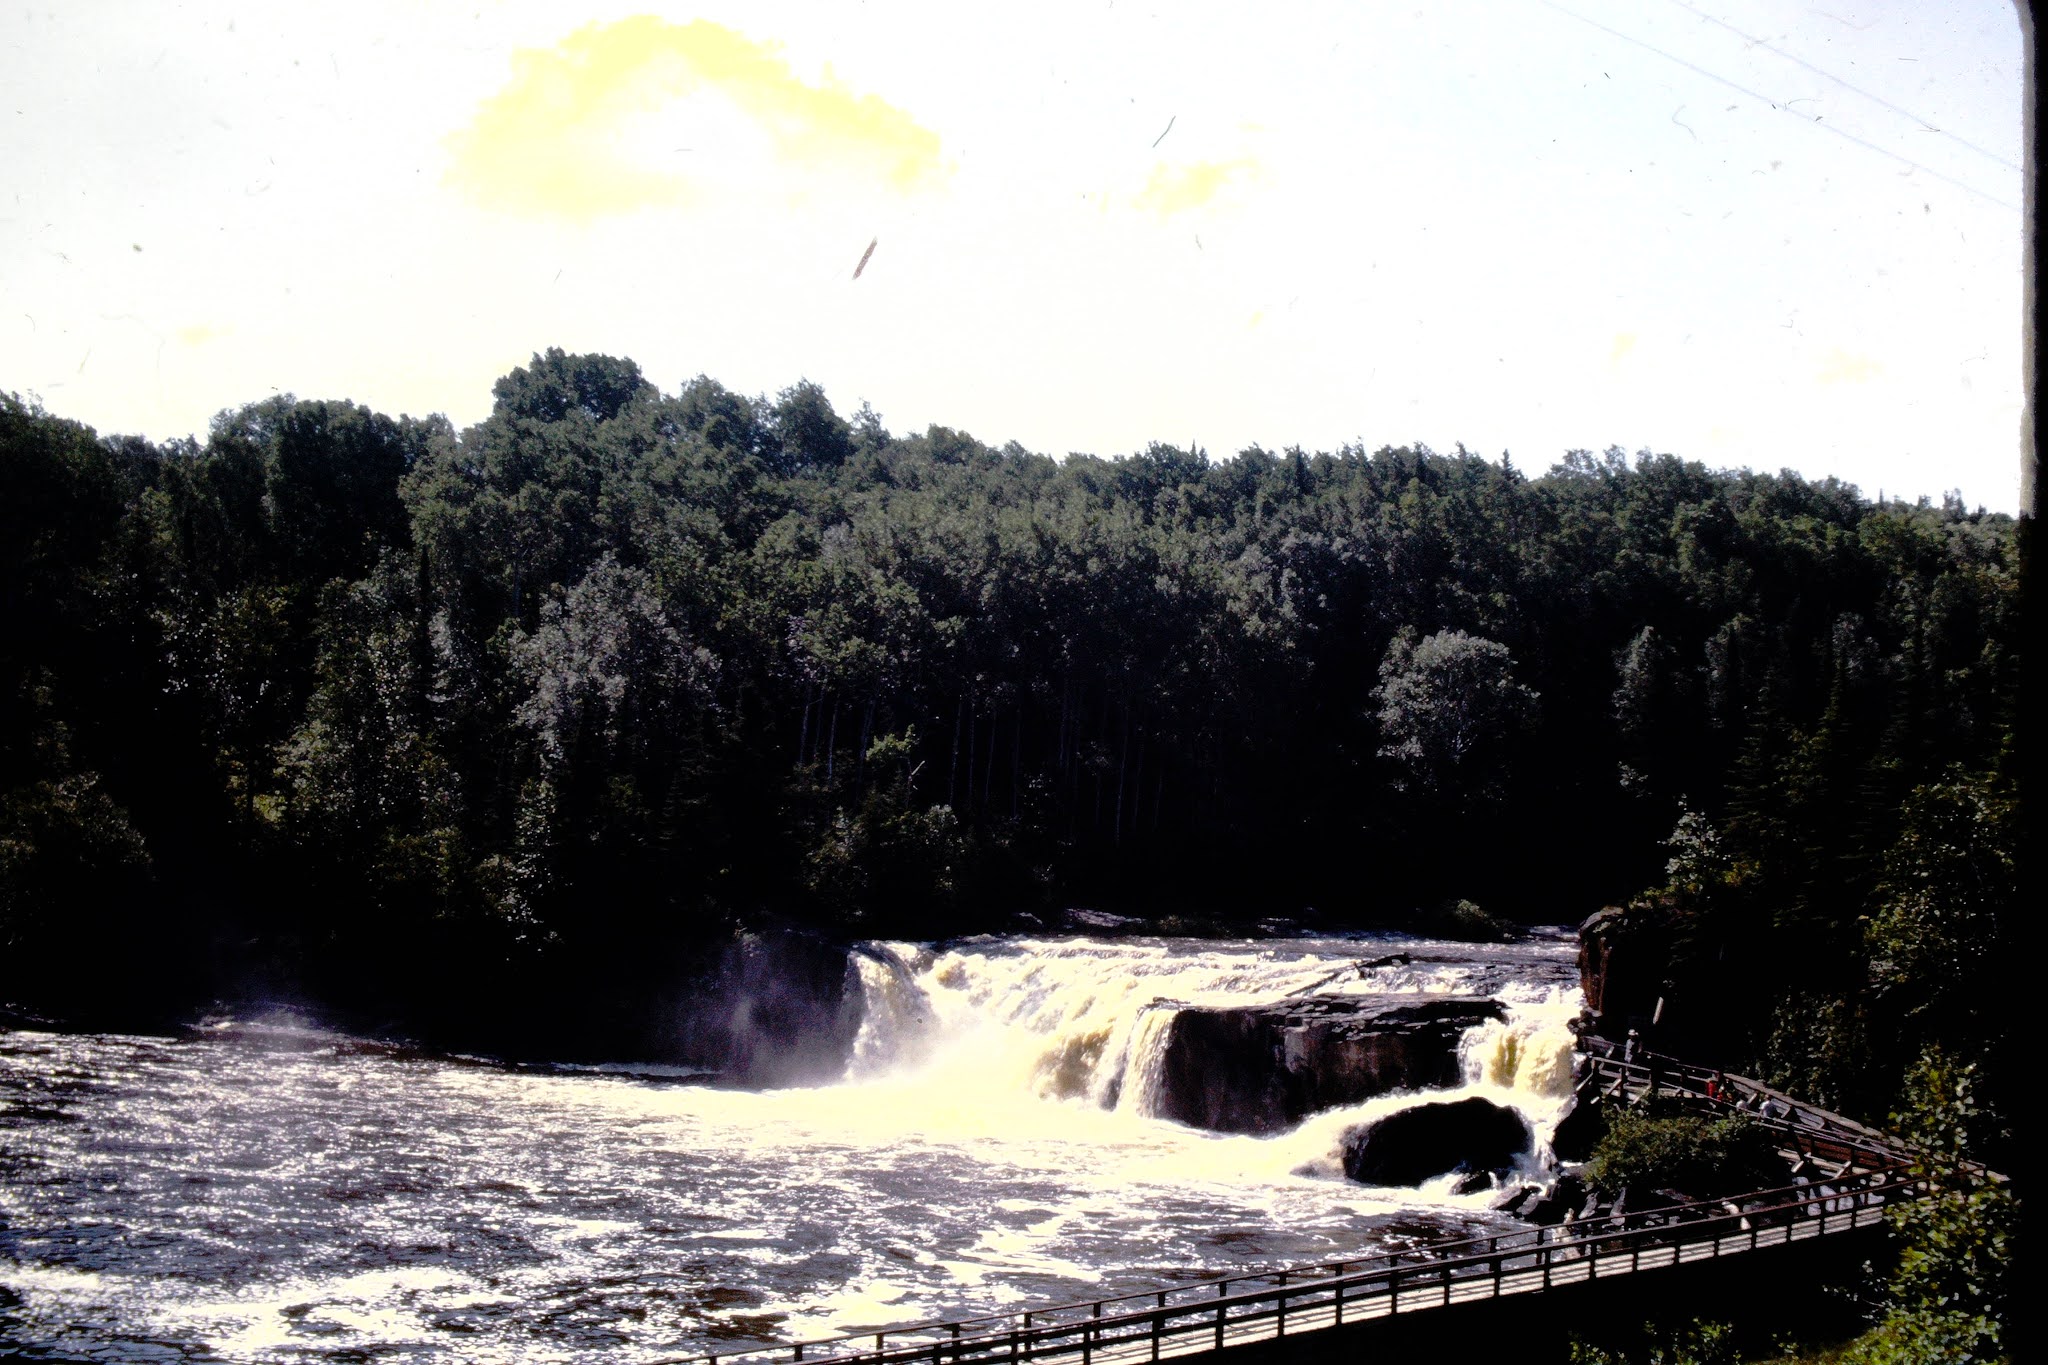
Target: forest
458, 729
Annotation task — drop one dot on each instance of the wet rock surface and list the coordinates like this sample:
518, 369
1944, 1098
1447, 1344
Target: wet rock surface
1262, 1068
1412, 1145
1567, 1195
1579, 1131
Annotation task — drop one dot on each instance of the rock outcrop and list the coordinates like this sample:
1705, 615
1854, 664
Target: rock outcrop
1566, 1196
1410, 1146
1579, 1131
1262, 1068
775, 1006
1624, 958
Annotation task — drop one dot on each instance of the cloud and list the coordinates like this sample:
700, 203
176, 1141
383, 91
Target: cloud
1845, 367
1178, 189
1624, 342
199, 333
554, 142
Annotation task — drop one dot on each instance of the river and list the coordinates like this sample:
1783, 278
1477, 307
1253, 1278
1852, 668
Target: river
262, 1190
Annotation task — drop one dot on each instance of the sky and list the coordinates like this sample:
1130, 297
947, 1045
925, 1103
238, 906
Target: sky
1748, 233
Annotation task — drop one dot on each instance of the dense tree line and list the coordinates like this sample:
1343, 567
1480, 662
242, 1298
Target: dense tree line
387, 713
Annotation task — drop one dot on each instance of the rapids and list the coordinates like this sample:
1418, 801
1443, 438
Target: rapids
266, 1191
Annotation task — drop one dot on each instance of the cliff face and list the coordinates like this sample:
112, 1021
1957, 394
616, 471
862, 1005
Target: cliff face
1624, 961
1262, 1068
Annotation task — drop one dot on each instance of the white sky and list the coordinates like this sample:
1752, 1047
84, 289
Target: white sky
1742, 232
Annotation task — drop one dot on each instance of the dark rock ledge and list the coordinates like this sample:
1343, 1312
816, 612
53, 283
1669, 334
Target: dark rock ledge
1262, 1068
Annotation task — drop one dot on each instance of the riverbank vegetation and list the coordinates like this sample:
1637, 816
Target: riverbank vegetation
440, 724
1647, 1150
1946, 1296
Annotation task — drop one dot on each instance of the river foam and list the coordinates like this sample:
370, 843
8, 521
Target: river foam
990, 1146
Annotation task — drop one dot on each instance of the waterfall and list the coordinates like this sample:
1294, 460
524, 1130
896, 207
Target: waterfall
896, 1016
1145, 1062
1059, 1019
1529, 1053
1000, 1034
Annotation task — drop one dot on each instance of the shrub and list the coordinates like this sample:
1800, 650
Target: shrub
1699, 1343
1947, 1299
1465, 922
1650, 1148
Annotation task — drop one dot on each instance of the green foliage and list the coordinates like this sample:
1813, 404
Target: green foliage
1696, 1343
1946, 1301
1462, 921
1647, 1149
1699, 861
1445, 703
1950, 879
62, 842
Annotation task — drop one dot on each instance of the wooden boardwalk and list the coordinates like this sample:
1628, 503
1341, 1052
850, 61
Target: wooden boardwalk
1854, 1175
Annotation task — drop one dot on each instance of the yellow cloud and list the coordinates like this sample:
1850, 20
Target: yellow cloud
1177, 189
199, 333
1624, 342
1844, 367
550, 143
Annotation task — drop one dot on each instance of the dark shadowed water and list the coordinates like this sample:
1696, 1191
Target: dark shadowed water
270, 1192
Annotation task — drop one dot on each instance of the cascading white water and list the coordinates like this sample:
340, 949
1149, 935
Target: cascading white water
1074, 1019
1530, 1052
896, 1017
1087, 1022
1145, 1061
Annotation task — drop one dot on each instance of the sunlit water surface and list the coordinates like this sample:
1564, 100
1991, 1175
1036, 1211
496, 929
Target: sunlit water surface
269, 1192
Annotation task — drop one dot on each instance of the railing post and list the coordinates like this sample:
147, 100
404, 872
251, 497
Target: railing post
1222, 1288
1340, 1301
1280, 1314
1393, 1292
799, 1349
1013, 1343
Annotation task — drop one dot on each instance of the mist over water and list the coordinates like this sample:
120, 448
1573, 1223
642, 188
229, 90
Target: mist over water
269, 1192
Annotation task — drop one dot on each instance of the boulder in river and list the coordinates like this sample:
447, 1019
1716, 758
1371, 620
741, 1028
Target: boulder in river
1565, 1196
1411, 1145
1515, 1200
1262, 1068
1579, 1131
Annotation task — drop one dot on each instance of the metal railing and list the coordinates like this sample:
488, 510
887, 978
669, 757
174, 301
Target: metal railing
1803, 1128
1752, 1097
